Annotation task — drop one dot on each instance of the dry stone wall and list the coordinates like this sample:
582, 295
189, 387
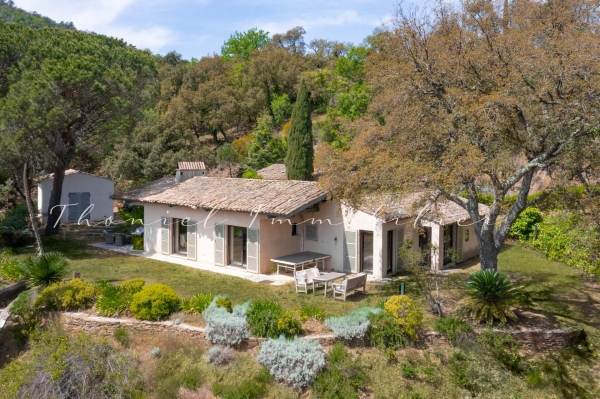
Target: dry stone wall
539, 340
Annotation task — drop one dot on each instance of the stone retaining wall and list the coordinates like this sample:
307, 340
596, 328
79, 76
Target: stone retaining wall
539, 340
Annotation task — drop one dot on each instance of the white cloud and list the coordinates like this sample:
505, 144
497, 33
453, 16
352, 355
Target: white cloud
102, 16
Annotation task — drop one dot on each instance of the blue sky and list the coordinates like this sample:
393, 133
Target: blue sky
196, 28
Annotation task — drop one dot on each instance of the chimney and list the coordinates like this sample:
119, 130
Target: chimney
187, 170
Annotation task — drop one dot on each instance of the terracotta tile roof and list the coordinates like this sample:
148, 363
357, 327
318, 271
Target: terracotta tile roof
71, 172
391, 207
191, 166
273, 172
273, 197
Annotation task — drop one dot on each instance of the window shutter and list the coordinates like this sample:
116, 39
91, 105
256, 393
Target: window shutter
73, 206
399, 244
459, 240
165, 235
84, 203
311, 232
350, 248
219, 238
191, 239
253, 250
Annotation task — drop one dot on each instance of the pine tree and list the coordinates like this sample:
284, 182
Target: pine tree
300, 154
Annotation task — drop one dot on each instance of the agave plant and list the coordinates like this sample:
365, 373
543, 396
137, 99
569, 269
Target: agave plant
490, 297
41, 271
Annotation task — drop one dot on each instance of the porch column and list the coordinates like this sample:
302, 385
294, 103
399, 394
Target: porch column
437, 250
378, 266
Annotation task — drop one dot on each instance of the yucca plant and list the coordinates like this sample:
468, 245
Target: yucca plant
44, 270
490, 296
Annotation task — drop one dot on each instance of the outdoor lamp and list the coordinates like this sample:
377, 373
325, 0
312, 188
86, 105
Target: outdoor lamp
401, 288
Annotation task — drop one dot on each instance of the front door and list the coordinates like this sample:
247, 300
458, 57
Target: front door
238, 237
425, 245
366, 251
179, 236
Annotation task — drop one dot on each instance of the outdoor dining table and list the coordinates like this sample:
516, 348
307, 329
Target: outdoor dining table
327, 278
300, 260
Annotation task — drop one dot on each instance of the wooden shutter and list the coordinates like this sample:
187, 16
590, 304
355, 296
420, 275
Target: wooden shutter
165, 235
399, 246
191, 239
350, 250
459, 241
84, 203
73, 206
253, 250
219, 239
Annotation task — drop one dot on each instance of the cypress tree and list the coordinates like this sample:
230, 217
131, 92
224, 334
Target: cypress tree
300, 154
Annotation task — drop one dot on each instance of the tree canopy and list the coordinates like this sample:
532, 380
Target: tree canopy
300, 154
242, 44
477, 98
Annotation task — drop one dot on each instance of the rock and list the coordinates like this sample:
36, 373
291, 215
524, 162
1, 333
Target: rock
155, 352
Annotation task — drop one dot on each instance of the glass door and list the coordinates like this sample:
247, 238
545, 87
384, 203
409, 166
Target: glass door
448, 244
366, 251
238, 237
179, 236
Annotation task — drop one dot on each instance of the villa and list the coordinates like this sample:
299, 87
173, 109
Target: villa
249, 222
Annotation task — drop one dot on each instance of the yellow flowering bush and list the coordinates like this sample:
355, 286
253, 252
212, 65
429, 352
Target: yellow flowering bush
406, 313
67, 295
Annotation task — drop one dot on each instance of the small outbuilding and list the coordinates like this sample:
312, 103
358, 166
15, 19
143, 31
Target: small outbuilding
84, 196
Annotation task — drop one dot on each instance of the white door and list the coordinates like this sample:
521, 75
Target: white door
219, 239
350, 251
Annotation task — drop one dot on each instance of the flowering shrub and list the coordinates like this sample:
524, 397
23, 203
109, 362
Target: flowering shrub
154, 302
220, 355
67, 295
134, 284
295, 362
223, 327
354, 325
406, 312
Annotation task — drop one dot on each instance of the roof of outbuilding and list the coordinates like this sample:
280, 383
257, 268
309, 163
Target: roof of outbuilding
390, 207
273, 172
273, 197
71, 172
191, 166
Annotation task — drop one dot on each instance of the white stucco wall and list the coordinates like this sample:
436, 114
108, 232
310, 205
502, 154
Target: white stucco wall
100, 190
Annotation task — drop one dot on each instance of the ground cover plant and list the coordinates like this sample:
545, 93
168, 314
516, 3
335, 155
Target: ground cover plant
341, 378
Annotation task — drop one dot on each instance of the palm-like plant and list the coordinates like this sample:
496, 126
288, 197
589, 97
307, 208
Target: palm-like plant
490, 297
41, 271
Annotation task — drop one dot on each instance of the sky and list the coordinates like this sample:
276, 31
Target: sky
195, 28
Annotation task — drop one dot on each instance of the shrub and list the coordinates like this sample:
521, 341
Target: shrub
263, 317
61, 367
490, 296
223, 327
385, 333
220, 355
41, 271
452, 328
67, 295
294, 362
353, 325
313, 311
248, 389
408, 370
137, 242
134, 284
225, 303
154, 302
341, 377
14, 228
504, 348
289, 325
121, 335
407, 314
9, 267
523, 227
197, 303
23, 313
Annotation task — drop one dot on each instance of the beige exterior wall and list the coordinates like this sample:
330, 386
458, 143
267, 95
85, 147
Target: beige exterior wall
100, 190
276, 239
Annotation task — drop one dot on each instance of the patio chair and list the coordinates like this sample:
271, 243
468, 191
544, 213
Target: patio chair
358, 282
138, 231
119, 239
302, 282
109, 238
311, 274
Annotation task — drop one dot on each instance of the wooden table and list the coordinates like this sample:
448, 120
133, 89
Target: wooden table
328, 277
300, 260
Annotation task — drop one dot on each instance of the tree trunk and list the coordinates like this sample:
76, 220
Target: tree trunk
53, 223
488, 255
27, 193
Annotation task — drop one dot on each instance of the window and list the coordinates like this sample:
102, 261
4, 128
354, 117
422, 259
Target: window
466, 235
294, 229
311, 232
